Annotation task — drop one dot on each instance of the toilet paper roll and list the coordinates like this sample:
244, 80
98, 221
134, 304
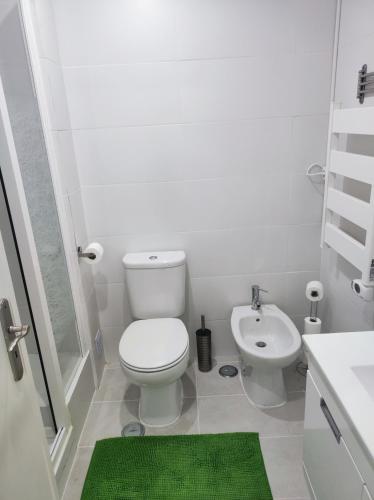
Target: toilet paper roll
314, 291
312, 326
97, 250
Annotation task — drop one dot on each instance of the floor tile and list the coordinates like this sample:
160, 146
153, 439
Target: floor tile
226, 414
187, 423
294, 381
189, 382
283, 462
285, 420
115, 386
212, 384
237, 414
107, 420
78, 473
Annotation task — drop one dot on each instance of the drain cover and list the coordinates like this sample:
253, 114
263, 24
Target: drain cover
228, 371
261, 344
133, 429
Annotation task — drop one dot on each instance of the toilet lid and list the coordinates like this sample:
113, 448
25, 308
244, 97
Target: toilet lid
153, 344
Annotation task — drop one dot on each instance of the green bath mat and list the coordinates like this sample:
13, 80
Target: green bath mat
194, 467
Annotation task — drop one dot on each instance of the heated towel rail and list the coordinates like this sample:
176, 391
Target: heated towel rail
337, 204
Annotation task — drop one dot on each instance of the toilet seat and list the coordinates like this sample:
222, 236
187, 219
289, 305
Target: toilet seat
153, 345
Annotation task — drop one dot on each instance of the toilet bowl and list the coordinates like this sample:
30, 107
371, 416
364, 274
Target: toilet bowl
268, 341
154, 349
154, 355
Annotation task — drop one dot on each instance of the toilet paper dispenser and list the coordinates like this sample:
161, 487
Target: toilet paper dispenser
85, 255
93, 253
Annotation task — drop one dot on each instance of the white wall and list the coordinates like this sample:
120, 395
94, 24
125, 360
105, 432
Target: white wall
343, 311
67, 184
193, 122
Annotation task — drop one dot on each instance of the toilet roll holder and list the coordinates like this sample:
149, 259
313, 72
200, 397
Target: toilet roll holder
85, 255
313, 311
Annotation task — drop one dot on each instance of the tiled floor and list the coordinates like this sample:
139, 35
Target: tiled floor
212, 404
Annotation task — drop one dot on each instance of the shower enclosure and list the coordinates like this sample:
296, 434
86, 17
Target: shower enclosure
24, 116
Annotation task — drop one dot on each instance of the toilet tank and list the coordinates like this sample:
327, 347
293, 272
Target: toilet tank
156, 283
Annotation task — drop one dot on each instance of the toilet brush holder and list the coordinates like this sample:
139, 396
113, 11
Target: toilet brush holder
204, 347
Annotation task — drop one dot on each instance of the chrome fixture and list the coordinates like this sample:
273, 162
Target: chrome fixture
87, 255
365, 85
12, 334
256, 302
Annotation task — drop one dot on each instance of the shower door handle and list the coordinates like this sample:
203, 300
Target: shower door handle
12, 335
19, 333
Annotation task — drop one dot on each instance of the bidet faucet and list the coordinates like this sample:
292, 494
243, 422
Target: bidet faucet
256, 302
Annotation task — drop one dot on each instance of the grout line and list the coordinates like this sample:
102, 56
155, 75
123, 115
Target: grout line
281, 274
115, 401
194, 367
198, 417
232, 229
224, 121
280, 436
292, 498
193, 180
180, 60
219, 395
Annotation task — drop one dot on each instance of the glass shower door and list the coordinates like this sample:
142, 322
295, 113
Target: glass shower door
35, 171
26, 316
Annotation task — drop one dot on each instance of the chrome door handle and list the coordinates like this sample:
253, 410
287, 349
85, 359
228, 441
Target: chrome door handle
12, 335
330, 419
19, 333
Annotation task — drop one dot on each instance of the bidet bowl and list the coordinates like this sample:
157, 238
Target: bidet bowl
268, 341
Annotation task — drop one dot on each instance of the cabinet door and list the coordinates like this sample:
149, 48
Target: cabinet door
331, 470
366, 494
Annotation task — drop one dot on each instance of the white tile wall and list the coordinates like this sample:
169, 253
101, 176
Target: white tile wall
193, 123
64, 147
193, 151
191, 205
121, 32
131, 94
55, 93
215, 29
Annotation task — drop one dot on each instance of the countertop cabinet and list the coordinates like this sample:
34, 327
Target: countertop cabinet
330, 468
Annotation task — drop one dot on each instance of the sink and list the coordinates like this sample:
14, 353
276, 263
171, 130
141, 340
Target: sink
365, 375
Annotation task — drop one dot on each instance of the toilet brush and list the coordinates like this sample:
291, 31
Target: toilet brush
204, 347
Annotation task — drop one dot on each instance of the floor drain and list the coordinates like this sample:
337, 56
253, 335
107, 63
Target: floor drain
133, 429
261, 344
228, 371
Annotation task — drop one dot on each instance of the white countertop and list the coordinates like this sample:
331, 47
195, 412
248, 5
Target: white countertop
336, 354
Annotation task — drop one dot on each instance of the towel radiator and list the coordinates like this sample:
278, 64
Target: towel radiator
338, 204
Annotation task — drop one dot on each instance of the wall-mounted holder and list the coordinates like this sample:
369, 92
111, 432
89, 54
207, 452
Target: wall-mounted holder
316, 170
85, 255
362, 290
365, 85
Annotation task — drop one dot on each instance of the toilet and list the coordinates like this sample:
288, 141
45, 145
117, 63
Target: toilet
154, 349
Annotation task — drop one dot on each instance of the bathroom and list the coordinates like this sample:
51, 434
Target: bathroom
187, 249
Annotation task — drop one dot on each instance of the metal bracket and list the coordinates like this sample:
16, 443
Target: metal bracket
365, 83
87, 255
12, 335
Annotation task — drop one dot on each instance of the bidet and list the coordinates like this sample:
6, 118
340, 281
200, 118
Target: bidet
268, 341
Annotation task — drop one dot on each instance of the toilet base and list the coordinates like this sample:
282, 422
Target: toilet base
160, 405
264, 387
